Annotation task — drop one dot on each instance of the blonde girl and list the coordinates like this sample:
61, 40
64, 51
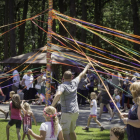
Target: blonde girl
27, 120
93, 112
51, 129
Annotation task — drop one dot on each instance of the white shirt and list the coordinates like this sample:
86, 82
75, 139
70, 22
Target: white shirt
28, 81
93, 109
48, 128
16, 78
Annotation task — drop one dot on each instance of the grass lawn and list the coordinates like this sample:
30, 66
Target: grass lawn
92, 134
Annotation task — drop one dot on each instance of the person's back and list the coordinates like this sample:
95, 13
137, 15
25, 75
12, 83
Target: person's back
104, 94
15, 113
48, 128
69, 97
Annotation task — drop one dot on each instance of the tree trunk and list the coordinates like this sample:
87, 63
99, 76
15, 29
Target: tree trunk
45, 34
41, 32
5, 29
22, 28
97, 19
61, 8
84, 17
73, 14
12, 32
54, 30
33, 33
136, 21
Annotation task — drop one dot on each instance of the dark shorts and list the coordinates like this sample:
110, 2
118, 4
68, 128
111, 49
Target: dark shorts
104, 101
126, 100
16, 122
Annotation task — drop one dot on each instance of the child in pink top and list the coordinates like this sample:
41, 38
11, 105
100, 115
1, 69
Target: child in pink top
27, 123
15, 115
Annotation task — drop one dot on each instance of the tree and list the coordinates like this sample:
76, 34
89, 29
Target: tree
22, 28
84, 17
5, 29
72, 28
12, 32
136, 21
98, 15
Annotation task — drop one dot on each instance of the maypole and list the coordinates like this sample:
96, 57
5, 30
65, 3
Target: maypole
48, 55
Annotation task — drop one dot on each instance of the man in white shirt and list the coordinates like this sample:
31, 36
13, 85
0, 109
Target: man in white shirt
27, 81
16, 81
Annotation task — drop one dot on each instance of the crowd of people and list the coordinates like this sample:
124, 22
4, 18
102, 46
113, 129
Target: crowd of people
71, 93
26, 84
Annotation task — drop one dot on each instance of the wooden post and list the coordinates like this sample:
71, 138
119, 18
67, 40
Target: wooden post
48, 55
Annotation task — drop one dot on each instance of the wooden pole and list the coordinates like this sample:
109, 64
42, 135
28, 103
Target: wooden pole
48, 55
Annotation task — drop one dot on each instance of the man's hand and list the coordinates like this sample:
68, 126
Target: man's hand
88, 65
81, 75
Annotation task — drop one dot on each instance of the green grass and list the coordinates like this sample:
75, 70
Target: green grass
92, 134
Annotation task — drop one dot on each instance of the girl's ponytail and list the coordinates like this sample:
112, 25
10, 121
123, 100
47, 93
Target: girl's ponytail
56, 122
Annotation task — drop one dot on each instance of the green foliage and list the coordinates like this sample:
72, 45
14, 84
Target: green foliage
116, 14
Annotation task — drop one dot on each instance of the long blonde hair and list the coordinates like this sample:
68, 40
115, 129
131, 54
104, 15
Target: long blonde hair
16, 101
52, 111
27, 107
135, 90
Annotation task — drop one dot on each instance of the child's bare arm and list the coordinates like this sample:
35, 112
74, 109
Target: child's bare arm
34, 118
60, 136
24, 111
22, 115
91, 106
6, 103
10, 113
37, 137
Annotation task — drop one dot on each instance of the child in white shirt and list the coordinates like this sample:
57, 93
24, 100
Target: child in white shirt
93, 112
117, 99
51, 129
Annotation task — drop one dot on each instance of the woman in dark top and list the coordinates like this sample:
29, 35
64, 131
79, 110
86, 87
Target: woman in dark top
105, 100
132, 119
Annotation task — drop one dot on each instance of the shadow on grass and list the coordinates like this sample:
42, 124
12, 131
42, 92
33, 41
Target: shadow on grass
93, 136
88, 131
3, 120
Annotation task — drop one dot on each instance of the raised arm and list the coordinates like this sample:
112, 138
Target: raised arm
81, 75
34, 118
56, 98
24, 111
